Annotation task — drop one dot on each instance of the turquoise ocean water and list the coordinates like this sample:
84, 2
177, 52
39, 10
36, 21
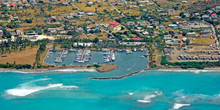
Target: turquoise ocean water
148, 90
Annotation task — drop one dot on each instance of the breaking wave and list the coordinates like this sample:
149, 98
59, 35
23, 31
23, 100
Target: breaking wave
148, 98
20, 71
131, 93
28, 88
43, 71
193, 71
181, 99
177, 106
74, 70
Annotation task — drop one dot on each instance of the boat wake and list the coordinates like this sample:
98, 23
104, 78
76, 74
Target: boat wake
148, 98
30, 87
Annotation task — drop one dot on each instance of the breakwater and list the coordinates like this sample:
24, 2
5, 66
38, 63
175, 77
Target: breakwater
117, 77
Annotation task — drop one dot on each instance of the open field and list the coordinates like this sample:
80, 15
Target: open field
102, 35
26, 56
162, 1
99, 7
61, 10
203, 41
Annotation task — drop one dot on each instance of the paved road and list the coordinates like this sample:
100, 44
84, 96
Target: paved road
216, 39
214, 33
116, 9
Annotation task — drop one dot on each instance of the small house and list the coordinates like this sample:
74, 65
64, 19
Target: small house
1, 33
130, 23
114, 26
214, 16
170, 10
173, 26
191, 34
205, 16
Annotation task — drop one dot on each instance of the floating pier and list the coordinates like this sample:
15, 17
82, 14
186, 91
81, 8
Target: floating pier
82, 56
109, 55
62, 56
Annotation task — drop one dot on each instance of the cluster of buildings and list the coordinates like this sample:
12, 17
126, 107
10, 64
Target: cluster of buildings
209, 13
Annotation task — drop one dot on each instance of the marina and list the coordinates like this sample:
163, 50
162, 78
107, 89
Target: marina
128, 51
108, 55
62, 56
127, 63
82, 56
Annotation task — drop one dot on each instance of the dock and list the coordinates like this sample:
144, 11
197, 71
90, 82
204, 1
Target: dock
82, 56
62, 56
108, 55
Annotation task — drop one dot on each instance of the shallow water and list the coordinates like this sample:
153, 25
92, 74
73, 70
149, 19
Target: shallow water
152, 90
149, 90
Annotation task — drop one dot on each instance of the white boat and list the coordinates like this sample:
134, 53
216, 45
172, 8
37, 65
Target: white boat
81, 61
72, 50
135, 49
58, 60
128, 51
106, 60
113, 56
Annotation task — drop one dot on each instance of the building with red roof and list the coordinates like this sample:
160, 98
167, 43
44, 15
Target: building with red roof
12, 4
60, 1
214, 16
136, 39
114, 26
18, 21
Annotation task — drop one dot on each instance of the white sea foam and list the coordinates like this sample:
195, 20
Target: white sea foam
20, 71
193, 71
28, 88
74, 70
147, 99
143, 101
130, 93
39, 71
182, 98
177, 106
24, 91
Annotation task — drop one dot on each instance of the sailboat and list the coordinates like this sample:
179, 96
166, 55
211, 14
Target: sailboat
113, 57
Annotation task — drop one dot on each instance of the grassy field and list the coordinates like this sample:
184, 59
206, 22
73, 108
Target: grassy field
104, 68
26, 56
133, 11
162, 1
202, 40
61, 10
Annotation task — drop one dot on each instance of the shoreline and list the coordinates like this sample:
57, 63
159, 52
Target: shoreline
158, 69
70, 68
59, 69
48, 70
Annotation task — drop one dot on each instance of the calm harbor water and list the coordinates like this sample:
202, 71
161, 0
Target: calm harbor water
149, 90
